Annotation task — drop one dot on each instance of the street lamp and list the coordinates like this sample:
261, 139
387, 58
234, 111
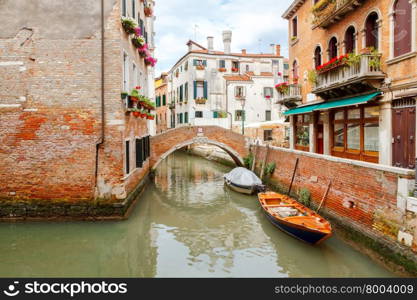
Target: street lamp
242, 102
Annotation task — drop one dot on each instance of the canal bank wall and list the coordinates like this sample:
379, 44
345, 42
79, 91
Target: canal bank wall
369, 203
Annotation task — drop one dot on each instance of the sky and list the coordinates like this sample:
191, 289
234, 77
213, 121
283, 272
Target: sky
255, 25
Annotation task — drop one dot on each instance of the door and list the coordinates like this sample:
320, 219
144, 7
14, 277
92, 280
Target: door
403, 137
319, 139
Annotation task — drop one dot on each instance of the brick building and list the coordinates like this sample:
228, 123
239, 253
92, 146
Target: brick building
161, 91
66, 133
356, 88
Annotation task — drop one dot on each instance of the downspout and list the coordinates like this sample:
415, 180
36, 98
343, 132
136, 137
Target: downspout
101, 139
227, 105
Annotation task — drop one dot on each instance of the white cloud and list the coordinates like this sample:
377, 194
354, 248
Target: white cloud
255, 25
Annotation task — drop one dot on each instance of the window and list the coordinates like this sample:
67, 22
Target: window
200, 89
139, 153
268, 92
402, 27
186, 66
181, 93
295, 27
124, 10
222, 64
126, 84
247, 68
186, 117
200, 62
350, 41
286, 66
302, 132
239, 115
317, 57
332, 48
127, 157
235, 66
164, 99
356, 133
295, 70
180, 118
371, 31
186, 91
198, 114
134, 8
135, 76
268, 135
267, 115
240, 92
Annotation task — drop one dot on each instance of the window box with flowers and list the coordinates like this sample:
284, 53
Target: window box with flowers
200, 101
282, 88
148, 11
143, 50
129, 25
332, 64
138, 41
150, 61
235, 70
222, 70
200, 67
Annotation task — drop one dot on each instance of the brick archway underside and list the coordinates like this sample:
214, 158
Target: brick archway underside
162, 145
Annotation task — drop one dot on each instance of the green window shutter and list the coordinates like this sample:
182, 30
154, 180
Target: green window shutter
215, 114
195, 89
186, 91
186, 117
164, 100
205, 63
181, 93
194, 62
205, 90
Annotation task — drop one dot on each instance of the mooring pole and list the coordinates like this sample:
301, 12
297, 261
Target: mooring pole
293, 176
264, 161
254, 157
325, 195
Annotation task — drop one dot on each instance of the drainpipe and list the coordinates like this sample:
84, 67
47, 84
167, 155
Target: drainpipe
101, 139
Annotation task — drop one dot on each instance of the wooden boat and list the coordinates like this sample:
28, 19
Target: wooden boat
243, 181
294, 218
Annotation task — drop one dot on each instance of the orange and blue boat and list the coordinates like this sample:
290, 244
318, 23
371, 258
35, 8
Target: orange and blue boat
294, 218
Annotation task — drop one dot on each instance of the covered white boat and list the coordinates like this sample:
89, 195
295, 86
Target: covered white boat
243, 181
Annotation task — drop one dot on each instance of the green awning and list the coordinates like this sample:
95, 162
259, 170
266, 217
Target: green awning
333, 104
301, 110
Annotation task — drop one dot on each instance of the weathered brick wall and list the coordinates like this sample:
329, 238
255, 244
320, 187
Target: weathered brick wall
50, 110
164, 143
360, 193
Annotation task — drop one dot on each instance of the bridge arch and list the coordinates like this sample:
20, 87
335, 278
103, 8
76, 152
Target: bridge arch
162, 145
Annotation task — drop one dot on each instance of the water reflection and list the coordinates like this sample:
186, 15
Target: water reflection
186, 224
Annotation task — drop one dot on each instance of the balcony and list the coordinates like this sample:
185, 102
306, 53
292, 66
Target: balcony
291, 97
331, 11
349, 79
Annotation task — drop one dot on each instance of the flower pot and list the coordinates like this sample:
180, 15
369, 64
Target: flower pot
136, 114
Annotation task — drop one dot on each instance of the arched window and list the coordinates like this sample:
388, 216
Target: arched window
350, 42
371, 30
317, 56
333, 48
295, 70
402, 27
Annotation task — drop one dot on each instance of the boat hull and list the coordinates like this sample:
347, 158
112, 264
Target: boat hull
248, 190
310, 237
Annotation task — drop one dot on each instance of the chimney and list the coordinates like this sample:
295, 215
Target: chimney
210, 43
227, 40
278, 50
244, 51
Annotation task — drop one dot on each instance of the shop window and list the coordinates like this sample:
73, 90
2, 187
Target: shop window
356, 133
302, 132
268, 135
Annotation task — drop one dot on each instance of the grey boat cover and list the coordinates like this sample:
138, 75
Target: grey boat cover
242, 177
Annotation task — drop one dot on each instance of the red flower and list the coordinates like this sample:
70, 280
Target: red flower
138, 87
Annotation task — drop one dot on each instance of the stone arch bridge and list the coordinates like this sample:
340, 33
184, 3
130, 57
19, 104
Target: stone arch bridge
163, 144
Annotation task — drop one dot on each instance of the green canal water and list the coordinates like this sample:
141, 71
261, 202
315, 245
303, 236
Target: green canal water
185, 224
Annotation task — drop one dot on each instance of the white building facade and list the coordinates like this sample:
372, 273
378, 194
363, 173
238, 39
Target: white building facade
208, 87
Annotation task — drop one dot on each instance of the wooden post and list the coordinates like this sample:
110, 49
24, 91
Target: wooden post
254, 157
324, 196
293, 176
264, 161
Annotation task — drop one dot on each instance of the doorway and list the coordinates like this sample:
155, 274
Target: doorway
403, 133
319, 139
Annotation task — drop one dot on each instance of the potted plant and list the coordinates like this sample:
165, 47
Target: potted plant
200, 67
148, 11
134, 95
222, 69
124, 95
138, 41
200, 101
129, 25
136, 112
235, 70
143, 50
150, 61
282, 88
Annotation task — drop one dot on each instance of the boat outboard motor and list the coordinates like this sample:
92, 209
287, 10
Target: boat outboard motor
261, 188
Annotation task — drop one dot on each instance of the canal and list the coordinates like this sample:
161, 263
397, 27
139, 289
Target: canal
186, 224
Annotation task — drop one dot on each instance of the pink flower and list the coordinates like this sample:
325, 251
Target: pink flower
279, 74
138, 31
